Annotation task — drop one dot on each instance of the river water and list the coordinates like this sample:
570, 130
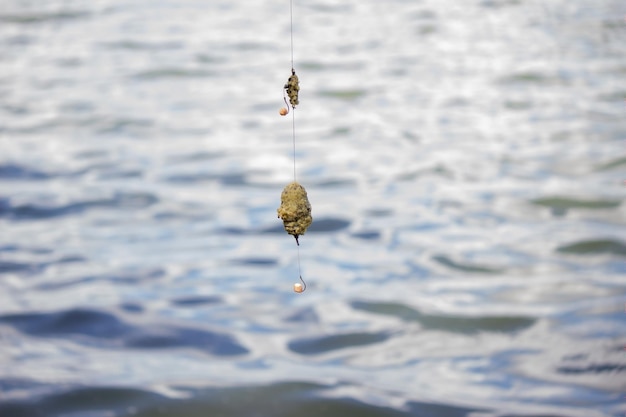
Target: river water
465, 162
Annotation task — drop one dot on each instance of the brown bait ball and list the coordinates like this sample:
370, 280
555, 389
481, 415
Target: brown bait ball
295, 210
293, 87
283, 111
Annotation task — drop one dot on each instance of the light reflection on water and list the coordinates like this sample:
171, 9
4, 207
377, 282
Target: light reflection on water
464, 164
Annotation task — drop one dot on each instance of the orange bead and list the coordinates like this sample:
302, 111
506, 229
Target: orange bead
297, 287
283, 111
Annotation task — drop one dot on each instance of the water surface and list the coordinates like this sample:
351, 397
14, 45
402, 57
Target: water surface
465, 165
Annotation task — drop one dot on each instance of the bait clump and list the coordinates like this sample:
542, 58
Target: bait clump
295, 210
293, 87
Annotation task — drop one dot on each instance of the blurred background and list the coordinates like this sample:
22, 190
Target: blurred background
464, 161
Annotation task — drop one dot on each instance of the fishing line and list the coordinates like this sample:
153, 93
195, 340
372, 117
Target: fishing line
293, 131
291, 28
295, 209
297, 287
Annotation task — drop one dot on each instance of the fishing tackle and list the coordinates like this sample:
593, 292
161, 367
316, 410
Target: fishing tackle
294, 209
297, 287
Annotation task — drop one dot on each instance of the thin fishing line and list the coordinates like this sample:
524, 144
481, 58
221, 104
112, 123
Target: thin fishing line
291, 28
300, 271
293, 113
293, 131
293, 128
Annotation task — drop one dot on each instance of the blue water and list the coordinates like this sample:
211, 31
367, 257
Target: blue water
465, 162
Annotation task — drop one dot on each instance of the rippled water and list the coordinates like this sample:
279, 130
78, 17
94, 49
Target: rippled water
464, 160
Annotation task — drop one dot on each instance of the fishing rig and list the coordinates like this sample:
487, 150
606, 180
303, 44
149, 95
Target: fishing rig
295, 209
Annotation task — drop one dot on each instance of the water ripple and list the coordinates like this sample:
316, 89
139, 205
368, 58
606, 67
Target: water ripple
595, 247
323, 344
31, 211
105, 330
460, 324
35, 18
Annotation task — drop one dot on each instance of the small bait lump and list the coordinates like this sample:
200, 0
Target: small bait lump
293, 87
